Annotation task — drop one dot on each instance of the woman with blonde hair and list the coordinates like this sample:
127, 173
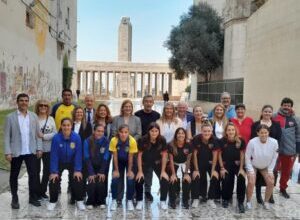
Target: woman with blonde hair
48, 130
169, 122
127, 117
231, 160
219, 120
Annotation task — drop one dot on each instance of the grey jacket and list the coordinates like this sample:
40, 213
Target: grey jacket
12, 134
134, 123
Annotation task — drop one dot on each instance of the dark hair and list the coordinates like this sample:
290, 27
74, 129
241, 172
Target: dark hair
264, 107
93, 149
66, 119
66, 90
240, 105
108, 118
22, 95
174, 142
262, 126
287, 100
147, 96
159, 138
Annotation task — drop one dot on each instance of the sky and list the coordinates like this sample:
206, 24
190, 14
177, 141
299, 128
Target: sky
152, 20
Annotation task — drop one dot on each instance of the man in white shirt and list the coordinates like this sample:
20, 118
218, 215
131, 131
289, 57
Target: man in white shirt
22, 142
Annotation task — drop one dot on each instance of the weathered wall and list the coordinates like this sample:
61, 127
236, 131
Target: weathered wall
273, 54
30, 58
218, 5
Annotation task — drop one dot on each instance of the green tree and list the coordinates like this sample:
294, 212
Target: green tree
67, 74
197, 43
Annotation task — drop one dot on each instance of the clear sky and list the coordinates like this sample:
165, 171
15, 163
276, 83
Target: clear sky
152, 20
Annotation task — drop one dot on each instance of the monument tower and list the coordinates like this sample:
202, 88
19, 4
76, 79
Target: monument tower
125, 40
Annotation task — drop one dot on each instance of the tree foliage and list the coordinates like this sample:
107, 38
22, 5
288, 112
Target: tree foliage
196, 44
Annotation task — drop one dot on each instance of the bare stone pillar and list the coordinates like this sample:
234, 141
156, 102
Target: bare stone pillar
170, 83
86, 81
142, 81
78, 79
100, 81
93, 82
150, 83
162, 82
107, 83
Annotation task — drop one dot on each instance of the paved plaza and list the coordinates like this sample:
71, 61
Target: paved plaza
282, 209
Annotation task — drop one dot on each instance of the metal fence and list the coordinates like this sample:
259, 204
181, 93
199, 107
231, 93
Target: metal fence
211, 91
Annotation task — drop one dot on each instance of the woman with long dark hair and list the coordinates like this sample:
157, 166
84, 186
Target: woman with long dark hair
180, 154
274, 132
152, 153
96, 155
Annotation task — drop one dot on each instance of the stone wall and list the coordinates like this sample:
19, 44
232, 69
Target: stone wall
31, 58
273, 54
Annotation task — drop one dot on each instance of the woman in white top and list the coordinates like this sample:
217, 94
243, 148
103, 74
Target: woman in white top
169, 122
261, 155
48, 130
194, 126
219, 120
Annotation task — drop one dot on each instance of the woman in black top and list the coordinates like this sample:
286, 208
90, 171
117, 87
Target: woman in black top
180, 153
205, 157
275, 132
231, 159
152, 152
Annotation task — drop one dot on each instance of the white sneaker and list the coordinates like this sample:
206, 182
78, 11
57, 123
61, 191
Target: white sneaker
249, 205
130, 206
80, 205
51, 206
195, 203
163, 205
139, 205
103, 206
267, 206
211, 203
113, 206
90, 207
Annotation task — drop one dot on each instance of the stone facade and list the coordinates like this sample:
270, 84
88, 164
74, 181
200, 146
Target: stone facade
35, 36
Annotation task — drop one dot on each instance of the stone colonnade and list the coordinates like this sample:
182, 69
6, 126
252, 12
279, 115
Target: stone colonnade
124, 84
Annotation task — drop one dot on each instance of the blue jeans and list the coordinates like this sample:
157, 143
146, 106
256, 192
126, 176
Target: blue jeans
122, 165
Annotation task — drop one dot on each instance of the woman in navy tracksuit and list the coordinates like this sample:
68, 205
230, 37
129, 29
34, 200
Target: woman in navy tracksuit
66, 154
96, 156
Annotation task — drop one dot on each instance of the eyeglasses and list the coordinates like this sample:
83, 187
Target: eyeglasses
43, 105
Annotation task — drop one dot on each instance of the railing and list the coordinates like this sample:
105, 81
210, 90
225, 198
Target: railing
211, 91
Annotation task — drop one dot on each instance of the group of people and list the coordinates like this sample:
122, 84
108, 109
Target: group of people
182, 148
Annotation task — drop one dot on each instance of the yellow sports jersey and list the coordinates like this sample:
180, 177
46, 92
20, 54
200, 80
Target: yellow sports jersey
63, 111
132, 148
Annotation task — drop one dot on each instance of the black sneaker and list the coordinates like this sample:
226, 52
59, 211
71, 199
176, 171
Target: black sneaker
225, 204
258, 195
203, 200
149, 196
172, 205
72, 201
185, 204
241, 208
271, 200
34, 202
284, 193
15, 203
119, 203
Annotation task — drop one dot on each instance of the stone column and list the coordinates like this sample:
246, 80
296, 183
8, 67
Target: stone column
86, 81
142, 82
150, 83
162, 82
107, 83
78, 80
100, 82
170, 83
93, 82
